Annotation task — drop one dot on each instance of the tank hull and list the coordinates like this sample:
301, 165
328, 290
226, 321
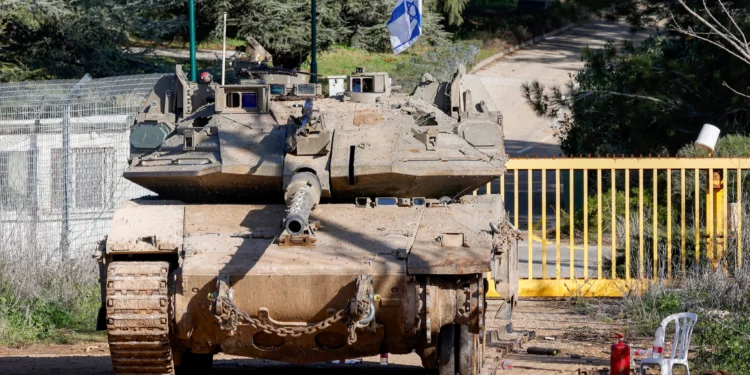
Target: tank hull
420, 282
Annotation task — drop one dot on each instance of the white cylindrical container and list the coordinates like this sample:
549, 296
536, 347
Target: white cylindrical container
707, 138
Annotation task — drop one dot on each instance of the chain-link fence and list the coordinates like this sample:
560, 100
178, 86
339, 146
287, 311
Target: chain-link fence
63, 147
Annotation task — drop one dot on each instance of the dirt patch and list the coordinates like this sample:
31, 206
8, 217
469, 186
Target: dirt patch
583, 341
367, 116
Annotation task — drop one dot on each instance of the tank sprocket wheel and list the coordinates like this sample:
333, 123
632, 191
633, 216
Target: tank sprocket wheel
459, 351
138, 309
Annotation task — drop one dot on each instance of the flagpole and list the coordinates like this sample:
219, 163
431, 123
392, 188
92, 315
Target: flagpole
193, 63
224, 51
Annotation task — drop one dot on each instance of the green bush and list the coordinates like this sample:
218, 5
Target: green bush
47, 318
54, 306
723, 345
731, 145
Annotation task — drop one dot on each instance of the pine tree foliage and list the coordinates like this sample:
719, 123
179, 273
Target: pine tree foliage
67, 38
453, 10
651, 98
283, 26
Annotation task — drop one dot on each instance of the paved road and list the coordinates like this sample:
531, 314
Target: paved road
551, 62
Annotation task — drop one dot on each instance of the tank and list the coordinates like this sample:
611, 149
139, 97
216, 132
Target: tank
308, 231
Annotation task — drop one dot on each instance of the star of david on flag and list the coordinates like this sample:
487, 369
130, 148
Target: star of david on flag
405, 24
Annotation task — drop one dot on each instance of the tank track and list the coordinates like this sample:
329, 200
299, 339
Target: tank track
138, 318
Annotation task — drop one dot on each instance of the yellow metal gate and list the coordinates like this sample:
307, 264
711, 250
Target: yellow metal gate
603, 226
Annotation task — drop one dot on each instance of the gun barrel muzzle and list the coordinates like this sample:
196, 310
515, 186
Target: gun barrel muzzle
302, 194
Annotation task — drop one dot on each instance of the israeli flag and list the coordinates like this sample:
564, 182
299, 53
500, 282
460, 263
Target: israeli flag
405, 24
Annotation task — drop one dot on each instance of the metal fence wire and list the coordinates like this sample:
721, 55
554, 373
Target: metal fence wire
63, 148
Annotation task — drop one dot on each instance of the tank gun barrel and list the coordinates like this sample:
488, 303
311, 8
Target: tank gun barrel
302, 195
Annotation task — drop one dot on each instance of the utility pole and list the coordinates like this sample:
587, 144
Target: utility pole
314, 37
191, 15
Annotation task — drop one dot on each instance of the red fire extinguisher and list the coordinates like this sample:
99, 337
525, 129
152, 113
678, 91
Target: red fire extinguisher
619, 361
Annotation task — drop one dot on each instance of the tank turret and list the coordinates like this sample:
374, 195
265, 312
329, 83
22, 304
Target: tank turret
444, 139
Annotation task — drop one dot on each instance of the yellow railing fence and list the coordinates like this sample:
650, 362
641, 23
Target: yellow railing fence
602, 226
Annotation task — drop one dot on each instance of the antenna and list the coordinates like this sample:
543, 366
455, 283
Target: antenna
224, 51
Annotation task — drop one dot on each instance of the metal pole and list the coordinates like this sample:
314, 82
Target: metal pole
65, 225
34, 165
224, 51
193, 67
314, 37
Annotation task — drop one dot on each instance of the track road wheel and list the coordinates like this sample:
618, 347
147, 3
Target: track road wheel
469, 352
447, 350
459, 351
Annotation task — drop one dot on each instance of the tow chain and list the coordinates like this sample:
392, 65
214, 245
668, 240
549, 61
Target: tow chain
235, 315
230, 317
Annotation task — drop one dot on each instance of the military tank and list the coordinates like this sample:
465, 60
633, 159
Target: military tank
308, 231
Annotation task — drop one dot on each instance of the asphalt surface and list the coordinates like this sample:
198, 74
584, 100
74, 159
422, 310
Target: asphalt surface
550, 62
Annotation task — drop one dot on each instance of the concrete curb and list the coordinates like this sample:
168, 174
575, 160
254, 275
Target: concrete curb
484, 63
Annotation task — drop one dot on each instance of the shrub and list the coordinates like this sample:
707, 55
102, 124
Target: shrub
731, 145
50, 302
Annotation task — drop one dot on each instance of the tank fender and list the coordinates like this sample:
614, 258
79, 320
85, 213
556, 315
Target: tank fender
139, 227
455, 239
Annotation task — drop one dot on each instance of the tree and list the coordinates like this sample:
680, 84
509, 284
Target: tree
720, 30
652, 98
283, 26
65, 38
453, 10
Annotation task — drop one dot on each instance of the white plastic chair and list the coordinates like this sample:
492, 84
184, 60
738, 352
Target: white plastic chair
684, 323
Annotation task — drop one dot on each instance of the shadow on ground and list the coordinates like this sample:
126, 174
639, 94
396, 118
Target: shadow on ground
88, 365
